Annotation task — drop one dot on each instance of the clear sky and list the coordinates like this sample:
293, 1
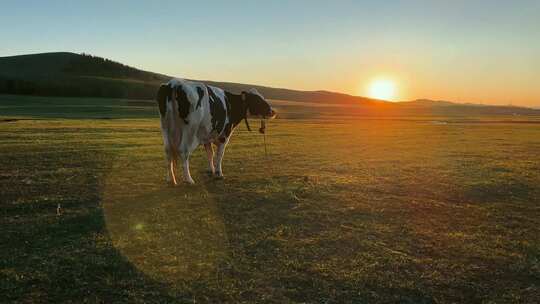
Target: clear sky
476, 51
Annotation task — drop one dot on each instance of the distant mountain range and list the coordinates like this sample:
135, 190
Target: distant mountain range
82, 75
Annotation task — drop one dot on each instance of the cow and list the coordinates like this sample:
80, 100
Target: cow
193, 114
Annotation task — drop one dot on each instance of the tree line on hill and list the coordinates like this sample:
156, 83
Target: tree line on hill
78, 87
89, 65
85, 76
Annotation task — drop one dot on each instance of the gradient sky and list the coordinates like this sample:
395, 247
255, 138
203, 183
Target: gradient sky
474, 51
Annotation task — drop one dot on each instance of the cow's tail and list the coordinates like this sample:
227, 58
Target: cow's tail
161, 98
183, 103
179, 94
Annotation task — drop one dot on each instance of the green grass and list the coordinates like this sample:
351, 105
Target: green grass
342, 211
17, 106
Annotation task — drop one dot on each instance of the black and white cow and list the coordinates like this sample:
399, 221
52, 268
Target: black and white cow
193, 113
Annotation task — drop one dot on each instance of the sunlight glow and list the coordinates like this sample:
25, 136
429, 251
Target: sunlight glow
383, 89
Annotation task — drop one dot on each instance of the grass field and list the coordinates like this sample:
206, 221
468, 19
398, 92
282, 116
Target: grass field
357, 210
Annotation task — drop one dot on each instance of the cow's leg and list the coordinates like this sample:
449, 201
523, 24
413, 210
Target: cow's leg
188, 144
210, 154
219, 158
171, 165
185, 165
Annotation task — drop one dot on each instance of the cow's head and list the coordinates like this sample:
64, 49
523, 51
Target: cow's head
257, 106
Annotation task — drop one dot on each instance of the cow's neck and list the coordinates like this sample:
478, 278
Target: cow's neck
238, 110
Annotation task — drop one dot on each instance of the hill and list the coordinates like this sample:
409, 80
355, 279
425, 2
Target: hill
69, 74
82, 75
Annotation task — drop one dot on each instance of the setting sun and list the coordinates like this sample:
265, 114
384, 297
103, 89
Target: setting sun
383, 89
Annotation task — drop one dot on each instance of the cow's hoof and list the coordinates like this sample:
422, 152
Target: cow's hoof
210, 173
219, 177
189, 182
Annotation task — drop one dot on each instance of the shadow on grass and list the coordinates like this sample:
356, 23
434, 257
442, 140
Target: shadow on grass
124, 236
68, 258
245, 239
287, 244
